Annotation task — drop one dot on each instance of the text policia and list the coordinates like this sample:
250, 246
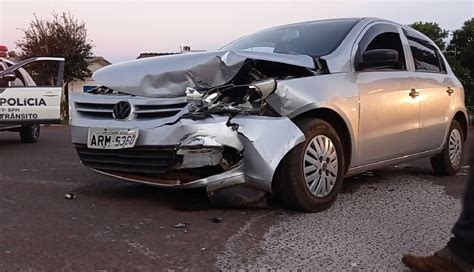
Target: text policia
18, 102
9, 113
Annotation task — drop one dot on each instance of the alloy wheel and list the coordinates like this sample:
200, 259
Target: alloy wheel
320, 166
455, 147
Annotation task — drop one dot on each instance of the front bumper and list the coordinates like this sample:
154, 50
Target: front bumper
215, 152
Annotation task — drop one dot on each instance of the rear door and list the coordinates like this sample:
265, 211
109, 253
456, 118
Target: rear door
30, 91
436, 90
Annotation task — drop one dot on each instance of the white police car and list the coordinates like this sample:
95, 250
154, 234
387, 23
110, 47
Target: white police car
30, 95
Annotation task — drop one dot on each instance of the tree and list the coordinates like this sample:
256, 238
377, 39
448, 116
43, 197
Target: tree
462, 44
12, 54
460, 54
433, 31
61, 36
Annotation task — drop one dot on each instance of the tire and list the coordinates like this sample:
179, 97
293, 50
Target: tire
442, 163
290, 180
30, 133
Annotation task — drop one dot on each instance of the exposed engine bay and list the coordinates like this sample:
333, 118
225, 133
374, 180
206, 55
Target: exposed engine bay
247, 91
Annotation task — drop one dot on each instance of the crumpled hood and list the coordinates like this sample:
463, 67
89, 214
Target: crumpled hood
168, 76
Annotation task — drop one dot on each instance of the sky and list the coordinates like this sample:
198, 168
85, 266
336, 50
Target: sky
120, 30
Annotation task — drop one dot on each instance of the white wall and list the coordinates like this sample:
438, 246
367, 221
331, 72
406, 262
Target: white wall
78, 85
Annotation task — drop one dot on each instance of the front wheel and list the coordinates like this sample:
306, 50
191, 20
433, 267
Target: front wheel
30, 133
449, 161
310, 176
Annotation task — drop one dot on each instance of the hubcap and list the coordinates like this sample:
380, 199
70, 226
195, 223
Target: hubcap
455, 147
320, 166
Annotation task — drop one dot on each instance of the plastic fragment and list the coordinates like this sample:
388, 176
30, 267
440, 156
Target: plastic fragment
70, 196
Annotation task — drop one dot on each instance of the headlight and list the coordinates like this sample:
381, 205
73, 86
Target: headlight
264, 88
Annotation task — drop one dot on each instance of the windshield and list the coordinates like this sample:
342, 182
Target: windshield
314, 39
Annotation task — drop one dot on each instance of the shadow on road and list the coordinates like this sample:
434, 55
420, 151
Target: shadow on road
188, 200
176, 199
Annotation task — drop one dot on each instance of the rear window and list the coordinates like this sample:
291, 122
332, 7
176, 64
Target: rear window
425, 55
313, 38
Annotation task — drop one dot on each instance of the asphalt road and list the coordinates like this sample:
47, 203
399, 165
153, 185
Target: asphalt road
121, 226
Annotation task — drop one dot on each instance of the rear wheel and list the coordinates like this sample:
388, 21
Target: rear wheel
30, 133
310, 176
449, 161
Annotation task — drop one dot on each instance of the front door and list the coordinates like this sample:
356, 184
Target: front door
30, 91
389, 116
389, 108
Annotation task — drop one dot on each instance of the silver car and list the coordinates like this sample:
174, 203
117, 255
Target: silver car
288, 111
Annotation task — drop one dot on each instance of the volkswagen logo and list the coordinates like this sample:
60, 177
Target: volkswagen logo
121, 110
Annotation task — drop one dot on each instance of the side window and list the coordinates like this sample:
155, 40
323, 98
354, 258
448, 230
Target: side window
35, 72
382, 36
30, 74
19, 81
426, 57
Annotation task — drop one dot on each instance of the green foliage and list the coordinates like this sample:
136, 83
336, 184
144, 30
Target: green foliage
433, 31
460, 53
62, 36
12, 54
462, 44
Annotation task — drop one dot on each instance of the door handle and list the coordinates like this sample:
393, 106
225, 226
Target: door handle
414, 93
450, 91
50, 94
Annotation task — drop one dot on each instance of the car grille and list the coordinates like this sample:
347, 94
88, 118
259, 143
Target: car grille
134, 160
145, 111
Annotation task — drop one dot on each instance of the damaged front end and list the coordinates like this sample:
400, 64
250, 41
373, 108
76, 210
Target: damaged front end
227, 138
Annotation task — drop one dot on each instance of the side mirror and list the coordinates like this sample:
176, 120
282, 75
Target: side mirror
378, 58
8, 77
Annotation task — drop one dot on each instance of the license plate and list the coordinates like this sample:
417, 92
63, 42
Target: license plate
112, 138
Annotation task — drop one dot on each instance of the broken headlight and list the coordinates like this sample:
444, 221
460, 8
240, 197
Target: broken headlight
244, 98
263, 88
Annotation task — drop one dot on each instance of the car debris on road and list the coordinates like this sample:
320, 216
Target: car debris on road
181, 225
70, 196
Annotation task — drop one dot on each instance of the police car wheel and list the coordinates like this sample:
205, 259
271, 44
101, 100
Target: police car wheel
30, 133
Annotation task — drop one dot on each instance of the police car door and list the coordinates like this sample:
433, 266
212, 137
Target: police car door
24, 98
